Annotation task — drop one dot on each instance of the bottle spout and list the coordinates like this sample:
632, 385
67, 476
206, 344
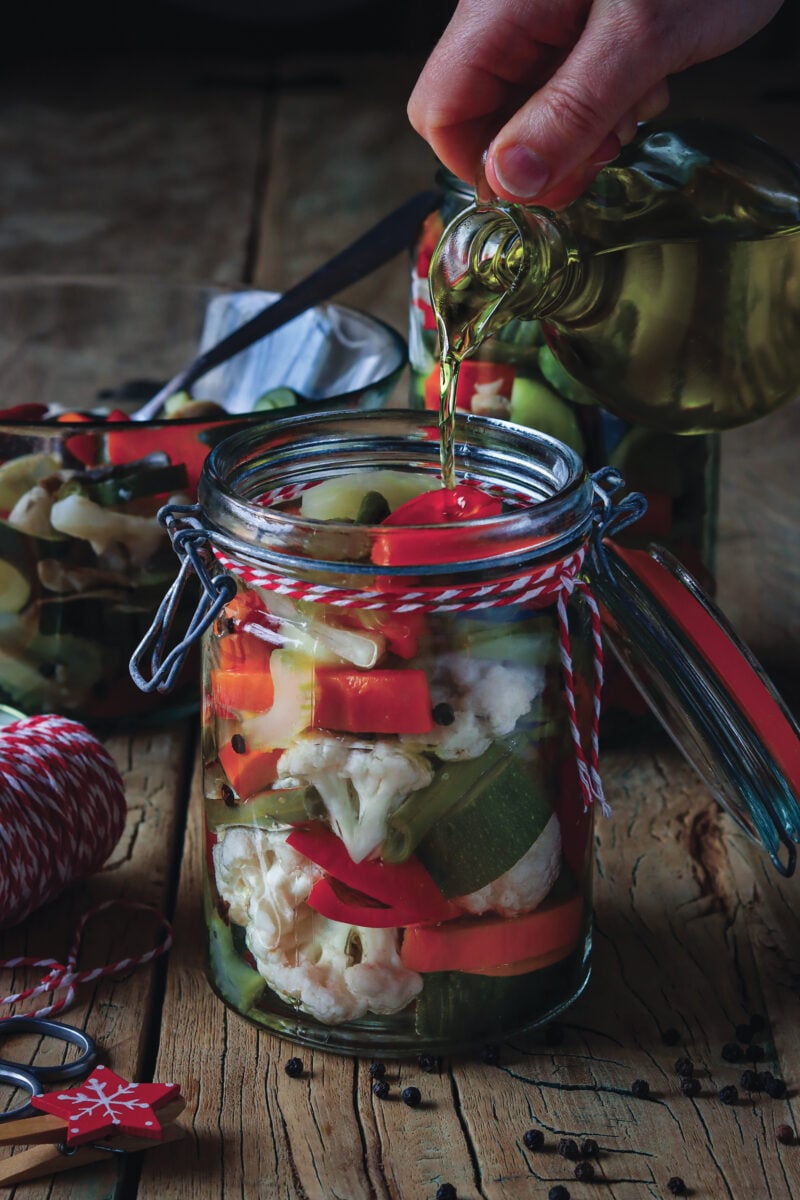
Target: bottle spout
476, 271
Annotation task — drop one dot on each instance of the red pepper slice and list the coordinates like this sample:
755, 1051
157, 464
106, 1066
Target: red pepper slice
338, 902
83, 446
405, 886
376, 701
181, 442
23, 412
444, 507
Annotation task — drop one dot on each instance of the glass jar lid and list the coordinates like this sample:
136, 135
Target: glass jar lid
705, 687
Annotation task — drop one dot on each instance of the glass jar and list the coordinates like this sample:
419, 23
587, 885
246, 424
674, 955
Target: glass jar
400, 725
515, 375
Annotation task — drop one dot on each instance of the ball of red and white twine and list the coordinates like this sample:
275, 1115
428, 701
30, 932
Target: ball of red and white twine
62, 812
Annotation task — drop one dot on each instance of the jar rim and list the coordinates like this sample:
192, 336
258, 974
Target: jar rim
553, 489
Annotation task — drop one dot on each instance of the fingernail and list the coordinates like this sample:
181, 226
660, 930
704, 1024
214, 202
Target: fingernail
606, 152
520, 171
626, 129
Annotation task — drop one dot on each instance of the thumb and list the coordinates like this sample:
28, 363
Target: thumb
568, 125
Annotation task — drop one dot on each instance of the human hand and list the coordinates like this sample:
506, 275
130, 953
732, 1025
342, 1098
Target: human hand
550, 90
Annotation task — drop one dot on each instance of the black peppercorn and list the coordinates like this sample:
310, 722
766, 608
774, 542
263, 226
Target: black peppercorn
533, 1139
676, 1186
640, 1088
294, 1068
775, 1088
670, 1037
584, 1172
446, 1191
589, 1148
238, 744
491, 1054
757, 1023
754, 1053
554, 1034
228, 797
428, 1063
559, 1192
443, 714
690, 1085
412, 1097
729, 1094
732, 1052
568, 1148
380, 1088
377, 1070
750, 1081
785, 1135
684, 1066
744, 1034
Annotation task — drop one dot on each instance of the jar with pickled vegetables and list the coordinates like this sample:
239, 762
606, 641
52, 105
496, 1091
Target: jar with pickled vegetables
399, 734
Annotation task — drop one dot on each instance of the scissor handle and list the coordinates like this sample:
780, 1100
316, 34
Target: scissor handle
51, 1029
17, 1077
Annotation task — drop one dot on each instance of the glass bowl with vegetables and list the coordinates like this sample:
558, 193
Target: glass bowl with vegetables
83, 560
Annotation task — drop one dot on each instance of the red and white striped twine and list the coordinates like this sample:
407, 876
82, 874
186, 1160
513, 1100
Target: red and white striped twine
62, 812
553, 583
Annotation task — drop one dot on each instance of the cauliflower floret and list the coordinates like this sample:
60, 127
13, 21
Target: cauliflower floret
334, 972
31, 513
360, 783
524, 886
487, 699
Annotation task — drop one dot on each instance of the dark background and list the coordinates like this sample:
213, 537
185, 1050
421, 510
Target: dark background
267, 29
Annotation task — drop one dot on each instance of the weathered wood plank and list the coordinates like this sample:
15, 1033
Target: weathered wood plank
118, 1011
128, 167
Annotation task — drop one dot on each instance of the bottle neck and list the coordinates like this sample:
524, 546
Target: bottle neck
495, 264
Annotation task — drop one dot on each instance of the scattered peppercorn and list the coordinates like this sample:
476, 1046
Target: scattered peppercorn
775, 1088
228, 797
238, 744
554, 1034
491, 1054
443, 714
729, 1094
676, 1186
377, 1070
568, 1148
640, 1088
589, 1148
412, 1097
732, 1052
690, 1085
754, 1053
559, 1192
670, 1037
684, 1066
744, 1034
533, 1139
428, 1063
380, 1088
763, 1078
750, 1081
446, 1191
785, 1135
757, 1023
584, 1172
294, 1068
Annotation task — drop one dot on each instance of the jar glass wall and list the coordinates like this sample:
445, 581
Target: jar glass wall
398, 841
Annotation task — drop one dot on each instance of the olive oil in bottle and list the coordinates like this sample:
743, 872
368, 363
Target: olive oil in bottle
671, 288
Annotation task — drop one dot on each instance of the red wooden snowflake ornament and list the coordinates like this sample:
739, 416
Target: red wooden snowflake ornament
106, 1104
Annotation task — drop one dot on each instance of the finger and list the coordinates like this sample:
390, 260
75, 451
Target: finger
480, 73
611, 68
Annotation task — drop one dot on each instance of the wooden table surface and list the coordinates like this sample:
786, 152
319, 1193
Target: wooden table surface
216, 170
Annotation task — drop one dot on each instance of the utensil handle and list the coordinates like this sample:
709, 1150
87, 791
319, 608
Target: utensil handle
377, 246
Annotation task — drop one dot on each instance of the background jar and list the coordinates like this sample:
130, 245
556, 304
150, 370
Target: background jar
415, 882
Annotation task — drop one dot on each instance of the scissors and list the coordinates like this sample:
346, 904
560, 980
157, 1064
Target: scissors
30, 1078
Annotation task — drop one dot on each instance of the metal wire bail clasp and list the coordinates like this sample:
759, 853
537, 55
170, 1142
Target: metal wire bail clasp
189, 539
609, 517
